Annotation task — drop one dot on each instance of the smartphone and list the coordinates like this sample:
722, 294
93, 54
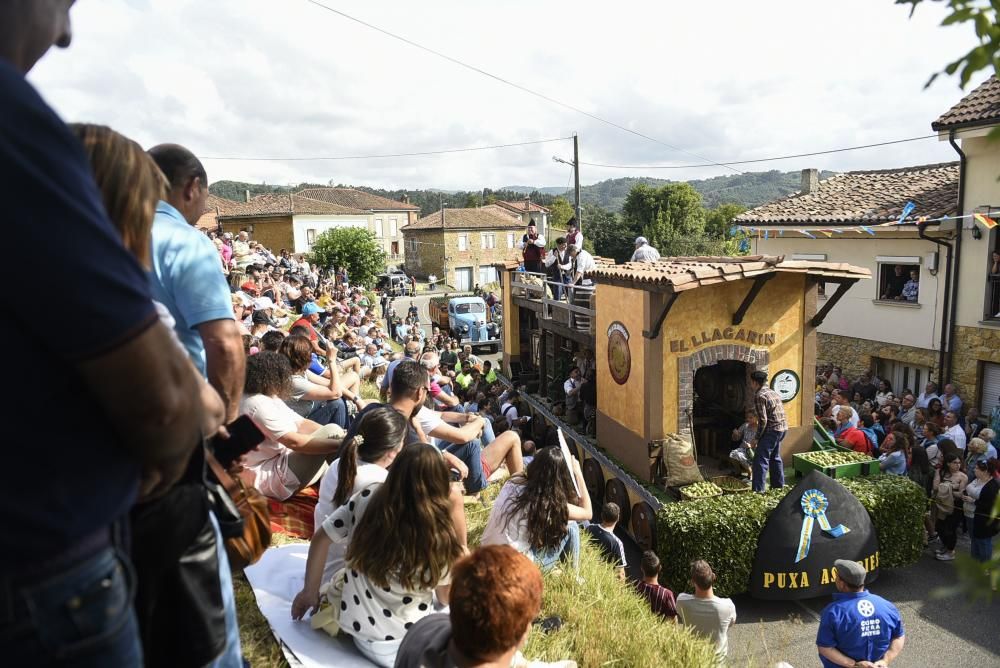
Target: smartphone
244, 436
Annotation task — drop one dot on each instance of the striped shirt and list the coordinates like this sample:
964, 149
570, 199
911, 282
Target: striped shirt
661, 599
770, 412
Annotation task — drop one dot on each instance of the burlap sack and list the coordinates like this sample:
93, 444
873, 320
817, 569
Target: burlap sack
678, 456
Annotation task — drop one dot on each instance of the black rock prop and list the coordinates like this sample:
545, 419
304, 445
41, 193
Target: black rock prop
818, 522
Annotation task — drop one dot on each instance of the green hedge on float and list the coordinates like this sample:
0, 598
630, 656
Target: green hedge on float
723, 530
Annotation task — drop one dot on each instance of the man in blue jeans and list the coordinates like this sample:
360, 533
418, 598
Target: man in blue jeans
135, 415
771, 427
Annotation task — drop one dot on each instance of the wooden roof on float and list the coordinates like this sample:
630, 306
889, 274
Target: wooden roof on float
676, 274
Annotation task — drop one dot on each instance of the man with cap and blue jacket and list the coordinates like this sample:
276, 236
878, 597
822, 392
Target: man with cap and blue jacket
858, 629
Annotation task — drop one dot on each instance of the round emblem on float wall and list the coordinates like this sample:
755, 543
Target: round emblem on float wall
786, 383
619, 356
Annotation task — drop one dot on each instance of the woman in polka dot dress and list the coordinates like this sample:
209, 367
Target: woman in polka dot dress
401, 545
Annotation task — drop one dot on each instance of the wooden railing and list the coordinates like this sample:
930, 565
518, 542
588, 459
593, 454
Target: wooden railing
575, 304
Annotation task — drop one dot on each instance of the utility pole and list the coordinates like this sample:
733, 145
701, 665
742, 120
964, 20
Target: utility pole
576, 180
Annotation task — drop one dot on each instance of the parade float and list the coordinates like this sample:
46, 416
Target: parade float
673, 344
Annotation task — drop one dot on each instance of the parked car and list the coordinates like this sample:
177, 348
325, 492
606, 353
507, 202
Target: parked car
395, 283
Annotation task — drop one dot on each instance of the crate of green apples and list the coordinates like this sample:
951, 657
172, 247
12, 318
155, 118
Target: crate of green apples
700, 490
835, 463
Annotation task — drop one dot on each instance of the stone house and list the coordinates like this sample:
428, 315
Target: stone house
524, 211
293, 220
462, 246
950, 330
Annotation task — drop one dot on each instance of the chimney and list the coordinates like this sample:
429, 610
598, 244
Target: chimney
810, 181
246, 195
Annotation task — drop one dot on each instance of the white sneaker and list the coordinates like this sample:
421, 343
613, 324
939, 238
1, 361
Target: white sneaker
945, 556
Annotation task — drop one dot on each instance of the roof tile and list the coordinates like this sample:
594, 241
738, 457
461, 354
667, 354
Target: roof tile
866, 198
980, 107
282, 204
456, 219
357, 199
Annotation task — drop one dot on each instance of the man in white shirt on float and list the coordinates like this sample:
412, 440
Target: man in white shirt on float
644, 252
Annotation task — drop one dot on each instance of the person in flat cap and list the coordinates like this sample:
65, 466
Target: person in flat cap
858, 629
644, 252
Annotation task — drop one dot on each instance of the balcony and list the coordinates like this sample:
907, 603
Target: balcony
992, 310
569, 305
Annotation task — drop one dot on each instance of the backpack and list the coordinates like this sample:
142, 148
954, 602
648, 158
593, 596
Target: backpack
944, 500
872, 438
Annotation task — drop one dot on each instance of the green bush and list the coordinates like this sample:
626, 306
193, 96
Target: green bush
724, 530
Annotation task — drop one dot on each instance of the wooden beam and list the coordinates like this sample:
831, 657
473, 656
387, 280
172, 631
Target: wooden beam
758, 284
831, 301
654, 332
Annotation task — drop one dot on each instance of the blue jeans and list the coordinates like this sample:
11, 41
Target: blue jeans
232, 656
471, 454
982, 549
569, 547
333, 411
768, 456
81, 617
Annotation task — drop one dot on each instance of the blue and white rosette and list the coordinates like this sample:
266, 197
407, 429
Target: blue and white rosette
814, 505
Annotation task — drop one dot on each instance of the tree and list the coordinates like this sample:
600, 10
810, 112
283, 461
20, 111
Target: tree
608, 235
560, 211
351, 247
984, 15
671, 216
718, 221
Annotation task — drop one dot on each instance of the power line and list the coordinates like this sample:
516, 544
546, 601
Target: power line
516, 85
386, 155
747, 162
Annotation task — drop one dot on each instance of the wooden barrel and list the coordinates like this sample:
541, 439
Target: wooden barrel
615, 492
593, 475
644, 526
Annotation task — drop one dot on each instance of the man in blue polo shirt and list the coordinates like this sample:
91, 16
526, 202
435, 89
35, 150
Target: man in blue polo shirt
859, 628
134, 415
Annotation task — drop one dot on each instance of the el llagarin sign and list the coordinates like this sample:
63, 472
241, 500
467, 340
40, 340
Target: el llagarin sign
818, 522
706, 337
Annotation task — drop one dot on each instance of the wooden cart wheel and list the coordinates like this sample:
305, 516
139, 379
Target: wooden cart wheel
594, 477
644, 526
615, 492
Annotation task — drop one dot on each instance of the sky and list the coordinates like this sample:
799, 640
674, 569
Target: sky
720, 81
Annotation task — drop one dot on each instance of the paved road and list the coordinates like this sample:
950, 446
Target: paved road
421, 301
942, 629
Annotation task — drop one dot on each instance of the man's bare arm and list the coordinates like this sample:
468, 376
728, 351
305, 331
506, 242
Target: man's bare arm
226, 362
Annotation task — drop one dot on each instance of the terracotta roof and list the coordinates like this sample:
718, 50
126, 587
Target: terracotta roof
865, 197
209, 217
282, 204
357, 199
980, 107
496, 208
457, 219
518, 207
685, 273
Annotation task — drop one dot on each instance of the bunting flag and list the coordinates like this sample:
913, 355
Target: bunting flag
907, 210
811, 236
828, 234
987, 222
868, 230
765, 233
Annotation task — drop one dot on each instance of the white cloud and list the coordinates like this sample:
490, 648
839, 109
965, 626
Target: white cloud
728, 81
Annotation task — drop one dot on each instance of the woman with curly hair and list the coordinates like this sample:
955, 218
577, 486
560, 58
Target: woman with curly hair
295, 453
401, 547
537, 511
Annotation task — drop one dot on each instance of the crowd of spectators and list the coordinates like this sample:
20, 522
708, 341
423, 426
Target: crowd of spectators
931, 437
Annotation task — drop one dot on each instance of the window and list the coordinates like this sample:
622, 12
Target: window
990, 391
378, 228
488, 240
898, 279
395, 249
411, 245
902, 376
487, 274
463, 242
310, 237
510, 240
393, 229
470, 308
